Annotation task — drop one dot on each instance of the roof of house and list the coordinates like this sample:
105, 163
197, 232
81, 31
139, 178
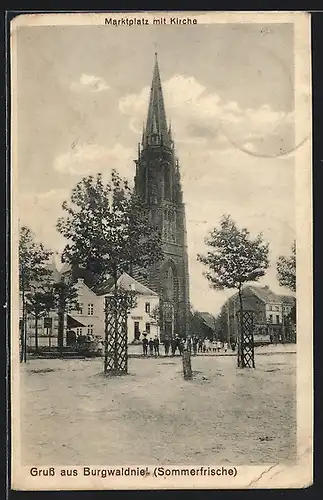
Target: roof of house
265, 294
124, 281
207, 318
73, 323
288, 299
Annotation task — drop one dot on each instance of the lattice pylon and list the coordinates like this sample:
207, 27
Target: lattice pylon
246, 353
116, 335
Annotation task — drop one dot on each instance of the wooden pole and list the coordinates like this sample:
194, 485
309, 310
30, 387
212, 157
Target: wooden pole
187, 366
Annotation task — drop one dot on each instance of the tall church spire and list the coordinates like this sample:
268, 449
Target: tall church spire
156, 132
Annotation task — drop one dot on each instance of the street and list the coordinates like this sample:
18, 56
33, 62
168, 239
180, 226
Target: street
72, 414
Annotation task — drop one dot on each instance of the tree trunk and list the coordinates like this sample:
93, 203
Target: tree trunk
36, 332
61, 313
22, 329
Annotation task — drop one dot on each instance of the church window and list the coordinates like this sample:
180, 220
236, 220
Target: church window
169, 284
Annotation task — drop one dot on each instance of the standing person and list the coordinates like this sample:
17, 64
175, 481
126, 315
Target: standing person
156, 345
166, 345
174, 344
213, 345
203, 345
200, 345
151, 347
219, 345
145, 346
225, 346
180, 345
195, 341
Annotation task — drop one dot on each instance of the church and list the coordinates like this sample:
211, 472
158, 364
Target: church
158, 183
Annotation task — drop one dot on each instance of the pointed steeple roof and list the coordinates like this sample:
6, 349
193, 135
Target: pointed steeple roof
156, 131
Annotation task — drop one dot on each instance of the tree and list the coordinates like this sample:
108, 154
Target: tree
108, 228
39, 301
65, 299
33, 257
109, 232
286, 269
155, 315
234, 258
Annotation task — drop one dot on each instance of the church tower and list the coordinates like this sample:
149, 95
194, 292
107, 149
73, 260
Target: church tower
158, 182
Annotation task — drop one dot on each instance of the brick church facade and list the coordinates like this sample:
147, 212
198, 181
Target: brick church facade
158, 182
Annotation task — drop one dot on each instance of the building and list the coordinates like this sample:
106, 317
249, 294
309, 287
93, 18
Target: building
88, 315
143, 318
203, 324
158, 183
89, 318
272, 313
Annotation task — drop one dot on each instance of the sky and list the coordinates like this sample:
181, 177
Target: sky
82, 96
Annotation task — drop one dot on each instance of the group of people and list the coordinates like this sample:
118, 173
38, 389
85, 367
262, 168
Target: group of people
192, 344
152, 344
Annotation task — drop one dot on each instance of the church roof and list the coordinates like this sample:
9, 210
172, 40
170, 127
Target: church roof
156, 125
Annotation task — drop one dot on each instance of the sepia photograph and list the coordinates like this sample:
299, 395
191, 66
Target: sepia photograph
161, 319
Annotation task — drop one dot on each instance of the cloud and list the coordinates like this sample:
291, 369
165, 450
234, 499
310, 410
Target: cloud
89, 83
197, 113
89, 158
35, 208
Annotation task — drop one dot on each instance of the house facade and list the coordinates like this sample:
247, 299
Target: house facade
89, 314
271, 314
143, 318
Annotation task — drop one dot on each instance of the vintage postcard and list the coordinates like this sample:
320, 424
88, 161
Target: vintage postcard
161, 239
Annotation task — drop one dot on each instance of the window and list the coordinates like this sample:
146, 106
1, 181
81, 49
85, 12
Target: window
270, 318
80, 308
79, 331
147, 307
277, 319
90, 329
148, 328
90, 309
136, 330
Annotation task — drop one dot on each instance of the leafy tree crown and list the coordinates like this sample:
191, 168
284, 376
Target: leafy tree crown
108, 227
286, 269
234, 257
